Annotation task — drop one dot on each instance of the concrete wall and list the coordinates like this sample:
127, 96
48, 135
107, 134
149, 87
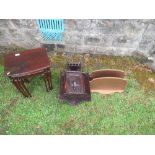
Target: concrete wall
116, 37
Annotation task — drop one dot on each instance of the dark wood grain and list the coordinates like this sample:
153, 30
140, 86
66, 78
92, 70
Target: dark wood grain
74, 87
21, 65
27, 63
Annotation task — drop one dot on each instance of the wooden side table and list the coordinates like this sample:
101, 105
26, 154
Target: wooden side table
21, 65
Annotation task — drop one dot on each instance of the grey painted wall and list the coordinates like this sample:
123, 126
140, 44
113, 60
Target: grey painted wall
116, 37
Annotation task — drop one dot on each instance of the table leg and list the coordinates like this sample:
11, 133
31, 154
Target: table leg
24, 87
45, 81
18, 83
49, 78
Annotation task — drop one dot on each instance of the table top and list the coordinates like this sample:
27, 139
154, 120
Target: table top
26, 62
